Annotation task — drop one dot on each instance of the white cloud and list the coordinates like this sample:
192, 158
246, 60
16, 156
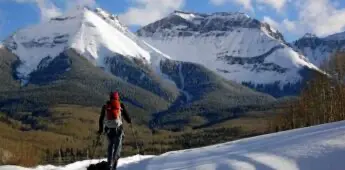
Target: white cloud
285, 26
289, 25
277, 4
247, 4
47, 9
271, 22
320, 17
146, 11
261, 7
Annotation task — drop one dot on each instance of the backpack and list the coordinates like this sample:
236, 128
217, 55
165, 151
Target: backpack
113, 107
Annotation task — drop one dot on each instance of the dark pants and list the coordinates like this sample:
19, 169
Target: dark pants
114, 146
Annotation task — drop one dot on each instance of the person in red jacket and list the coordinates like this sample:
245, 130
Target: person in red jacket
111, 120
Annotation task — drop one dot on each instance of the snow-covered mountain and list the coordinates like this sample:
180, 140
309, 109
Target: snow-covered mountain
316, 148
317, 49
94, 35
90, 49
234, 45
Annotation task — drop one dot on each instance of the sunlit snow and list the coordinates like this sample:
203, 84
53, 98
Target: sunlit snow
316, 148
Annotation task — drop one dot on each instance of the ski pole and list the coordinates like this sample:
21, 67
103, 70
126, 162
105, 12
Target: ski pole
136, 141
94, 147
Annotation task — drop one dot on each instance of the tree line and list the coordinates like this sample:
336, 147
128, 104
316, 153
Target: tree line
321, 101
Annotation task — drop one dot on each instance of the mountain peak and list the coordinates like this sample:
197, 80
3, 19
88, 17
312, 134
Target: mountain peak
309, 35
182, 23
93, 34
189, 23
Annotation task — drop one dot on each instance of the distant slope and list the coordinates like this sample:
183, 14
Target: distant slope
206, 95
81, 84
317, 148
318, 50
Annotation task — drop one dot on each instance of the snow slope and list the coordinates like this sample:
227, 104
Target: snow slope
79, 165
316, 148
231, 44
93, 34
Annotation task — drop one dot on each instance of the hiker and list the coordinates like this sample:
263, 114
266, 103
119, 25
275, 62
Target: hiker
111, 116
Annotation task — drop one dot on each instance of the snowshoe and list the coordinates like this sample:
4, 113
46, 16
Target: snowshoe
99, 166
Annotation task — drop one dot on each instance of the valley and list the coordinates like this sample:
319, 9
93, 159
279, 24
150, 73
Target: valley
188, 80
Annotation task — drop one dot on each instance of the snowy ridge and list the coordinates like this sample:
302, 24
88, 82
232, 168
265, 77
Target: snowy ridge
232, 44
336, 37
319, 50
98, 39
187, 16
190, 16
111, 19
316, 148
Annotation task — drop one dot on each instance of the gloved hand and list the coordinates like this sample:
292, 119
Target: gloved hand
99, 132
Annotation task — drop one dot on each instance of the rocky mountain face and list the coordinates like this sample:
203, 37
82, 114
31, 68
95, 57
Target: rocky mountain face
233, 45
79, 57
317, 49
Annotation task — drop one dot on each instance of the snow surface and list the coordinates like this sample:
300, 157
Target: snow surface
82, 165
186, 16
316, 148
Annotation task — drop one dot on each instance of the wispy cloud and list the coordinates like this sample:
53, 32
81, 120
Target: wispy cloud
48, 10
321, 17
146, 11
289, 25
272, 22
284, 26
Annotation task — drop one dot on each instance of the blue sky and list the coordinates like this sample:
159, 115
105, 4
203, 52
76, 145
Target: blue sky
293, 18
